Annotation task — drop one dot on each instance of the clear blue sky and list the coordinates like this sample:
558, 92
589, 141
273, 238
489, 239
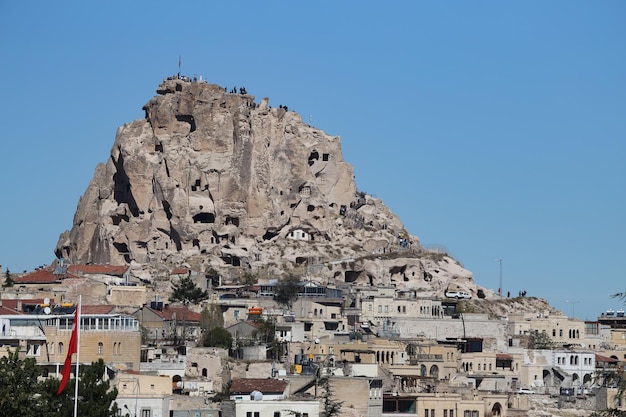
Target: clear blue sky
495, 129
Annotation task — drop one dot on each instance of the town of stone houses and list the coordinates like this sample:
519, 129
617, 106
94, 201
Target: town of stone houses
227, 265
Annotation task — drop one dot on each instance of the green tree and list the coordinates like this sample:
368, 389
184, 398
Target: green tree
211, 317
20, 390
187, 292
217, 337
248, 278
265, 329
332, 407
8, 279
287, 290
96, 398
23, 395
539, 340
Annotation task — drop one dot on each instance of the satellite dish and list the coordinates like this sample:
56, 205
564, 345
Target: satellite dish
317, 341
46, 310
46, 301
179, 384
256, 395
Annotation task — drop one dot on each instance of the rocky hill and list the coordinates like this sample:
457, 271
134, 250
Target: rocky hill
215, 179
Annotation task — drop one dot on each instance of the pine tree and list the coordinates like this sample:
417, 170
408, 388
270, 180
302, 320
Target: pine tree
187, 292
8, 279
331, 406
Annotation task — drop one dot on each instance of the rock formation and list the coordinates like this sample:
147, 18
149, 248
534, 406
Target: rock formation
211, 178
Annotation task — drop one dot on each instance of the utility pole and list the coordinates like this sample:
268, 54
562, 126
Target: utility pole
573, 303
500, 287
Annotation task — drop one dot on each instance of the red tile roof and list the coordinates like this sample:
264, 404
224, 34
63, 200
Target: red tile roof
97, 309
265, 386
13, 303
168, 312
252, 323
600, 358
503, 356
6, 311
41, 276
115, 270
180, 271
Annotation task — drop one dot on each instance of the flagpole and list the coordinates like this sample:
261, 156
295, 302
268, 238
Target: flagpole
77, 356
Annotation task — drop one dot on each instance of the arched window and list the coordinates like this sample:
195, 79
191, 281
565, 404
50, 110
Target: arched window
60, 348
100, 348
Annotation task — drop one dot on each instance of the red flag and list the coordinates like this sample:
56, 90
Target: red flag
71, 349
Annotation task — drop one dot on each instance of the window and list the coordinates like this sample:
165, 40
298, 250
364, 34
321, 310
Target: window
380, 309
32, 349
451, 413
257, 414
276, 413
445, 413
100, 348
386, 309
426, 412
249, 414
146, 412
60, 348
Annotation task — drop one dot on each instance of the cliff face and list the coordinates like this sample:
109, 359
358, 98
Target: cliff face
215, 178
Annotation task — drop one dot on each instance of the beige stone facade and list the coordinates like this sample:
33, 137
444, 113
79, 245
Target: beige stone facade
448, 405
113, 338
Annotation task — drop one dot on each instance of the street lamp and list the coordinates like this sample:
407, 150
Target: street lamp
573, 303
500, 288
